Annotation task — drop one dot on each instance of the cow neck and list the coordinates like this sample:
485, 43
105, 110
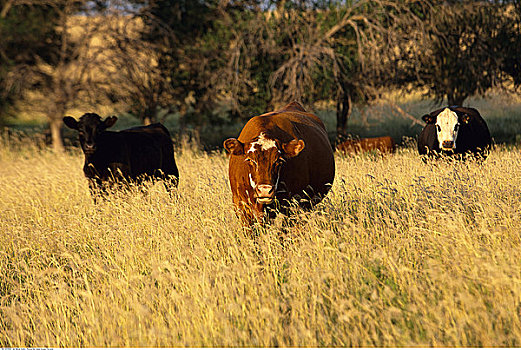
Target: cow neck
102, 147
93, 158
278, 180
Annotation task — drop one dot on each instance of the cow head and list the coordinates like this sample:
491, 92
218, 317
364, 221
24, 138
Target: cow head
447, 127
264, 158
89, 127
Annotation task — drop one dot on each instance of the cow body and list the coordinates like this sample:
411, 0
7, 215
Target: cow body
454, 131
279, 157
383, 145
130, 155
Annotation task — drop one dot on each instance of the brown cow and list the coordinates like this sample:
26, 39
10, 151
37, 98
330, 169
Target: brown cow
279, 157
384, 144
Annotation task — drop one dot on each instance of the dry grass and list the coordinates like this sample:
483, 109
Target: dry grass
401, 253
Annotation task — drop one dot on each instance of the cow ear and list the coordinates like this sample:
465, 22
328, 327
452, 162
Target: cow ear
234, 146
70, 122
293, 148
109, 121
465, 119
429, 119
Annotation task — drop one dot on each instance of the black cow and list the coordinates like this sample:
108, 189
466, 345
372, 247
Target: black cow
130, 155
454, 131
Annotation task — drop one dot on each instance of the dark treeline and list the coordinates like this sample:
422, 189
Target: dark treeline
219, 61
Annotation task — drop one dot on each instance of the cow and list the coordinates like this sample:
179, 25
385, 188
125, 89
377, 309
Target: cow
383, 145
130, 155
455, 131
279, 158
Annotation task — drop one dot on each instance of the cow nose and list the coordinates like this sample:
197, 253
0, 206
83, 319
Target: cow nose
264, 190
264, 194
447, 144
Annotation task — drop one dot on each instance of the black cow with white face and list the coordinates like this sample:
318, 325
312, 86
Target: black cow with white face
128, 155
454, 131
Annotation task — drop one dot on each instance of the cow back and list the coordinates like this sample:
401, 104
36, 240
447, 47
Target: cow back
139, 151
384, 144
474, 135
149, 150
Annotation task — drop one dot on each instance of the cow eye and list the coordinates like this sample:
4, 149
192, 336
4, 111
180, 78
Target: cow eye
456, 127
438, 127
251, 161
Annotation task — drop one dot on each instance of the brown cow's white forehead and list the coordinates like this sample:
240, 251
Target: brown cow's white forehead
262, 143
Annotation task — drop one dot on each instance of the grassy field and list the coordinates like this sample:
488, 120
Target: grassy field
400, 253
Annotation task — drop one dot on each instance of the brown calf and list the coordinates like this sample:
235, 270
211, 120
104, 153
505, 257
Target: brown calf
384, 144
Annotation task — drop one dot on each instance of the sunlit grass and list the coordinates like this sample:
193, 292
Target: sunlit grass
400, 253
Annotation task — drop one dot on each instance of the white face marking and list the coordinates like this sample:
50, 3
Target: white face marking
265, 143
447, 127
252, 183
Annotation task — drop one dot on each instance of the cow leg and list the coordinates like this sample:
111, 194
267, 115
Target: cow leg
97, 190
171, 173
170, 181
249, 213
246, 215
93, 190
121, 177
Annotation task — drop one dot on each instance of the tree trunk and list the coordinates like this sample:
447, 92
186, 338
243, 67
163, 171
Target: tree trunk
56, 134
147, 120
150, 114
456, 99
343, 111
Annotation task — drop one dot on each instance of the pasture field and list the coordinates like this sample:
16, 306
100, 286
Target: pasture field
400, 253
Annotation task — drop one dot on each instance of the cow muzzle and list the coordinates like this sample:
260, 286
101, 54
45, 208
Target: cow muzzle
265, 194
87, 148
447, 145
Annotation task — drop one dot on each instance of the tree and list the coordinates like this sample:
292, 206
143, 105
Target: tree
173, 29
24, 29
337, 52
460, 52
62, 62
509, 35
76, 72
138, 70
232, 59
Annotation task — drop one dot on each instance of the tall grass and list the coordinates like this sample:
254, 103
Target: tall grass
400, 253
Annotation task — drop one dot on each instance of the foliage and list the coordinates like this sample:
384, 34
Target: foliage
175, 27
466, 49
509, 35
28, 32
240, 58
214, 63
62, 66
